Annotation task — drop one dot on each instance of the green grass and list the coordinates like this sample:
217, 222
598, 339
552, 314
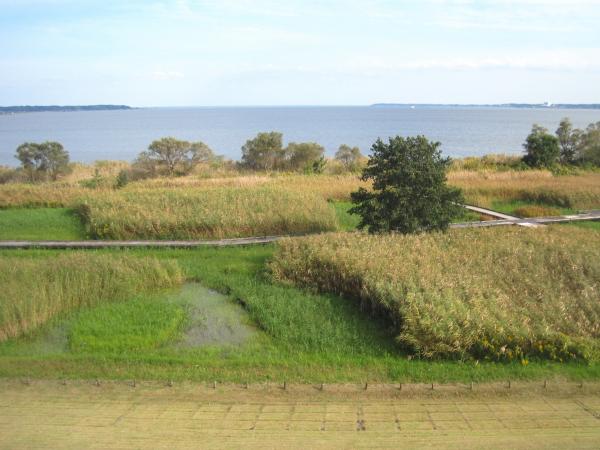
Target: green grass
307, 337
346, 221
133, 326
40, 224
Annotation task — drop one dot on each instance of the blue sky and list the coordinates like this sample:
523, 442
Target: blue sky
298, 52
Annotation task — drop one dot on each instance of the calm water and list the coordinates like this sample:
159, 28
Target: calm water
93, 135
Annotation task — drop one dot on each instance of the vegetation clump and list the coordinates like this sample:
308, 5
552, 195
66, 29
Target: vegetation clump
213, 213
35, 291
42, 162
499, 294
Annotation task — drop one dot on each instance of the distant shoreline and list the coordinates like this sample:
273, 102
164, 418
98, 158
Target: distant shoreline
57, 108
499, 105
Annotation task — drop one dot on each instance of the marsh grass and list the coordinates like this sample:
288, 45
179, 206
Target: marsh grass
533, 186
500, 294
35, 290
189, 213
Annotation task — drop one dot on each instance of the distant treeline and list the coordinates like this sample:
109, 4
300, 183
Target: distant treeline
57, 108
500, 105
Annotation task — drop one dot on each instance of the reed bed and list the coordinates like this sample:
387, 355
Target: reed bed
35, 290
188, 213
500, 294
536, 186
46, 195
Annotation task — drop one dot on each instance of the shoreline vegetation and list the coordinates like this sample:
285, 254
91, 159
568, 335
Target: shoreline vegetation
58, 108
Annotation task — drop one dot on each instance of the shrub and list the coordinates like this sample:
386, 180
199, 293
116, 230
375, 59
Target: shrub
501, 294
542, 149
35, 290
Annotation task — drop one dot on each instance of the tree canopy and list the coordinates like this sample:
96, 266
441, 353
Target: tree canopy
264, 152
43, 161
542, 148
173, 156
350, 157
409, 192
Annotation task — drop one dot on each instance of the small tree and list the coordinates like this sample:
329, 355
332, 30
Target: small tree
542, 149
264, 152
302, 156
43, 161
409, 193
350, 157
589, 145
172, 156
569, 140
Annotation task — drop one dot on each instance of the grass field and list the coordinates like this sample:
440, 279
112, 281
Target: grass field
40, 224
495, 293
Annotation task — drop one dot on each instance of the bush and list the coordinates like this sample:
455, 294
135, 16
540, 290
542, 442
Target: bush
500, 294
409, 188
542, 149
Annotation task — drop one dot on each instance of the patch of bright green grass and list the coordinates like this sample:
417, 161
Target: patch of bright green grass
133, 326
39, 224
346, 221
307, 338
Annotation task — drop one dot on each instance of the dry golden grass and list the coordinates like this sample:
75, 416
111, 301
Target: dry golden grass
19, 195
572, 191
35, 290
502, 293
215, 213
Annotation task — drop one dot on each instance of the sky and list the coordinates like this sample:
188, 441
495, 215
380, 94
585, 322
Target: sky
298, 52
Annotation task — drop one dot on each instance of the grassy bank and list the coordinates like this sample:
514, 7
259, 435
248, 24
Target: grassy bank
36, 290
499, 294
40, 224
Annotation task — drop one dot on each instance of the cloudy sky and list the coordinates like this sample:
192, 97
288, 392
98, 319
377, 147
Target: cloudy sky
298, 52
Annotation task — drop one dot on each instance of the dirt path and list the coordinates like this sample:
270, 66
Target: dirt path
48, 414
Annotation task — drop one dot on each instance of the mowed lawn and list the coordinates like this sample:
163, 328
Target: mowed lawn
40, 224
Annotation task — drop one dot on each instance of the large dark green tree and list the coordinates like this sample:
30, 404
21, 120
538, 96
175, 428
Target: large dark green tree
47, 160
409, 192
